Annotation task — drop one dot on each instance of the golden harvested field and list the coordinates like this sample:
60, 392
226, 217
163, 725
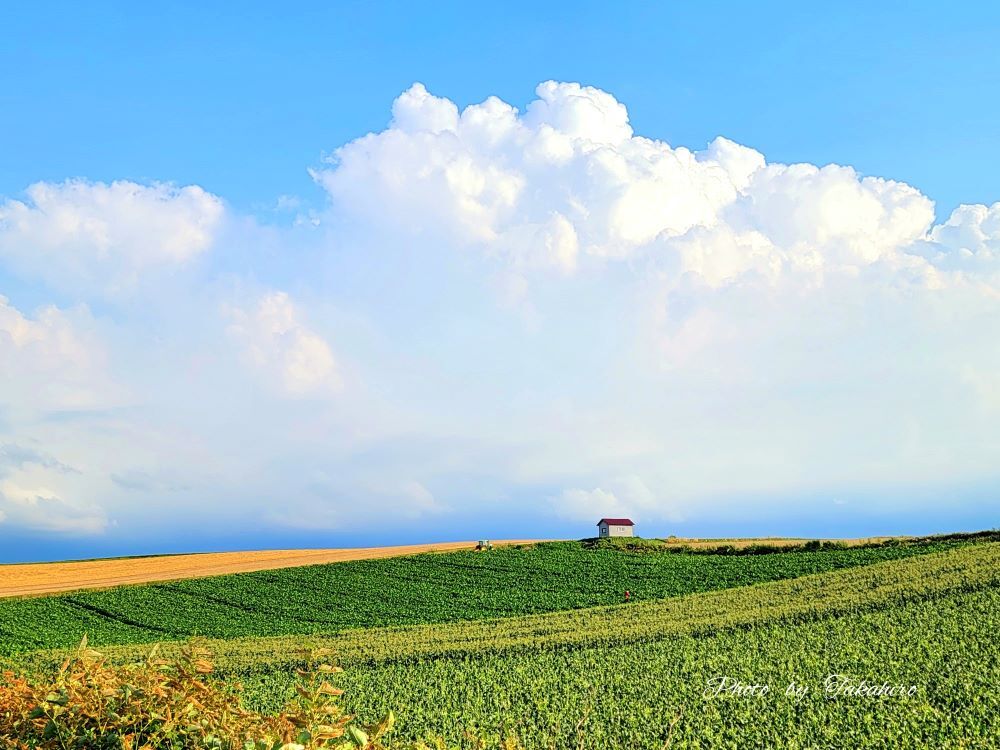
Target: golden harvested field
48, 578
776, 541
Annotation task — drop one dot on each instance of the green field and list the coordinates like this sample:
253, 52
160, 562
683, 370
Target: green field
629, 695
571, 675
424, 588
630, 673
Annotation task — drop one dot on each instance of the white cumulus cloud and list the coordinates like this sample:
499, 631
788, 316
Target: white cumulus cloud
77, 233
536, 306
567, 180
53, 361
279, 344
567, 174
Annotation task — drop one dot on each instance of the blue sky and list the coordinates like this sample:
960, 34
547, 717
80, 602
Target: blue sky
231, 318
240, 102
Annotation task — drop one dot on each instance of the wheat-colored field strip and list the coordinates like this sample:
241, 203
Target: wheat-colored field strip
49, 578
770, 540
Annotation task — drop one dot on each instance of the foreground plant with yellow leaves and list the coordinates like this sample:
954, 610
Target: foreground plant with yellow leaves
161, 704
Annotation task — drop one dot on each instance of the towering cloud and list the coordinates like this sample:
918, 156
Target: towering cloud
498, 310
567, 180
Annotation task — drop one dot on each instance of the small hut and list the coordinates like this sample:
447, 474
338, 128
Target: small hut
615, 527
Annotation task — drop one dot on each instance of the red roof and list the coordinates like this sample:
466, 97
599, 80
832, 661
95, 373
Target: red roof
616, 522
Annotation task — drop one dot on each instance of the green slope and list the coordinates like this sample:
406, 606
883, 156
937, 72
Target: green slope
633, 676
629, 695
803, 599
399, 591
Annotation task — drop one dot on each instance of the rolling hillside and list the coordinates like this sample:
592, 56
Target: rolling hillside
638, 675
635, 676
426, 588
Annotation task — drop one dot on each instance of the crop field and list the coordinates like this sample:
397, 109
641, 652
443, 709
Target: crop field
27, 579
631, 695
581, 673
426, 588
47, 578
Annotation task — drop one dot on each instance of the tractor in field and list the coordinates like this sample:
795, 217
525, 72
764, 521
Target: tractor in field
484, 545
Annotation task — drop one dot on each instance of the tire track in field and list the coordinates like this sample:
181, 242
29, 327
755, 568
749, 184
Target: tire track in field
117, 617
255, 610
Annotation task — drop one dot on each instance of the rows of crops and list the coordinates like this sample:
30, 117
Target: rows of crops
807, 598
636, 676
631, 695
400, 591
